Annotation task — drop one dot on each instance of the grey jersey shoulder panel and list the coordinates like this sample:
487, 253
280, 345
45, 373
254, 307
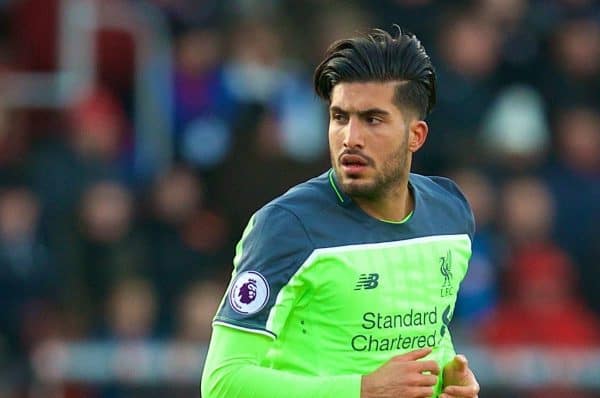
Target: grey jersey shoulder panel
316, 214
275, 247
440, 209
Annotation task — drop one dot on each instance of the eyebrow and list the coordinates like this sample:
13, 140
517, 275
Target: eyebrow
362, 113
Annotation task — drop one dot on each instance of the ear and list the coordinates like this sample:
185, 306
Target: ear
417, 134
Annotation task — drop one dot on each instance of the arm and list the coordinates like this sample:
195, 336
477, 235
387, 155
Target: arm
233, 370
272, 247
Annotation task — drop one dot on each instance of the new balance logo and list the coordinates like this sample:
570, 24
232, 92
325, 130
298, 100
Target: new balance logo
367, 281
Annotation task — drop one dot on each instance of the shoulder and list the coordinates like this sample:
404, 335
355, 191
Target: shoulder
441, 187
446, 194
284, 223
311, 193
273, 247
306, 200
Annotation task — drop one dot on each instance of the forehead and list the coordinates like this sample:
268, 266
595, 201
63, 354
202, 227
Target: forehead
364, 95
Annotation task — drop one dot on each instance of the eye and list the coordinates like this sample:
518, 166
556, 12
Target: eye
373, 120
339, 117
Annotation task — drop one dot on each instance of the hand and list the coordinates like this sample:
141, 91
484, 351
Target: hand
402, 376
459, 380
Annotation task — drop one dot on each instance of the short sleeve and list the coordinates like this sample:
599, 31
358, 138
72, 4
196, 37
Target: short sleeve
272, 248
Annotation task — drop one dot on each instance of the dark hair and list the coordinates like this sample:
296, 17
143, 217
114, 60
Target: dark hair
380, 57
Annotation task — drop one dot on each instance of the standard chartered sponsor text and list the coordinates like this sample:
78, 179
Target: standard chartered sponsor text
416, 329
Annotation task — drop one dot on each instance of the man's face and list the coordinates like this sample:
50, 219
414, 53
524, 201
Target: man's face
368, 138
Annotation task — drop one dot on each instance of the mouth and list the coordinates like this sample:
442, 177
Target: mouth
353, 164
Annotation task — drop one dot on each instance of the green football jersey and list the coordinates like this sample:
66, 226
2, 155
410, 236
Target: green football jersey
341, 292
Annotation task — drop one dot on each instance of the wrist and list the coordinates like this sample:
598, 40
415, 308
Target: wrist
366, 387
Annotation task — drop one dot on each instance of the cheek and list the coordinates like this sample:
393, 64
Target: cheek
335, 139
393, 152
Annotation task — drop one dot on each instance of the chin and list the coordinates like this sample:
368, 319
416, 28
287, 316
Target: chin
356, 188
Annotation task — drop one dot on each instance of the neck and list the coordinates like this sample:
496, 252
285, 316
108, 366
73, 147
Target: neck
394, 205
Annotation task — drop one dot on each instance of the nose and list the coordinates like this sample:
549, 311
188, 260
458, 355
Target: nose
353, 134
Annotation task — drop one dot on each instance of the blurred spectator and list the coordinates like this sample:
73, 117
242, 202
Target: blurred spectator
578, 134
255, 69
131, 310
469, 52
98, 127
204, 106
479, 289
503, 14
106, 212
185, 239
574, 179
574, 74
542, 287
29, 283
515, 132
330, 22
469, 48
542, 309
61, 172
94, 148
196, 309
527, 212
541, 281
259, 155
550, 13
258, 73
578, 49
521, 42
28, 275
107, 248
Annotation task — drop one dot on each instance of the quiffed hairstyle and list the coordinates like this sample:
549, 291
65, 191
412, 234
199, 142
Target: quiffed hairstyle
379, 57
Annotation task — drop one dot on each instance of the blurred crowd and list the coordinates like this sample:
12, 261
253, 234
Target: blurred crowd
92, 249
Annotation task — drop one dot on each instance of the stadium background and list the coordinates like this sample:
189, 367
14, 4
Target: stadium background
138, 136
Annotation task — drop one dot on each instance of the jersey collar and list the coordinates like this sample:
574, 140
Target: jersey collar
342, 198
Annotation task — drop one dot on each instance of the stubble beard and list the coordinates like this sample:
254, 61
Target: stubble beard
393, 172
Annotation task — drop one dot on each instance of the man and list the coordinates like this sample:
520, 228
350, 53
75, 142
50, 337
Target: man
344, 286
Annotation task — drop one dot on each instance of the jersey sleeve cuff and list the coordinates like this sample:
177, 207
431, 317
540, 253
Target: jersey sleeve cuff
244, 327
